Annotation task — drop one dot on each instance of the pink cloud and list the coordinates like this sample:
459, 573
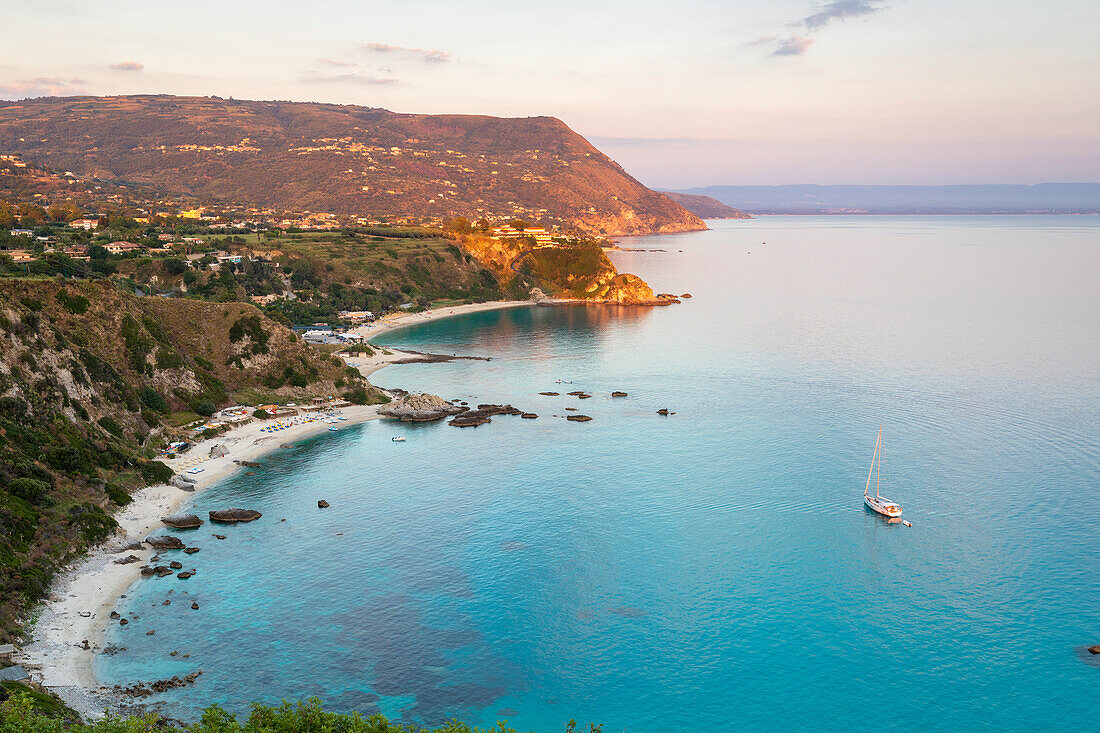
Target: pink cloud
430, 55
41, 86
128, 66
794, 46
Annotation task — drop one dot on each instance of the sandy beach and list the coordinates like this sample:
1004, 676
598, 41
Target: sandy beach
393, 322
83, 597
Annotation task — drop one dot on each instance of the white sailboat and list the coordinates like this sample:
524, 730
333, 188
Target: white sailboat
879, 503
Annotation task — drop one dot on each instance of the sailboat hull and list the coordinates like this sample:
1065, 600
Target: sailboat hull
885, 507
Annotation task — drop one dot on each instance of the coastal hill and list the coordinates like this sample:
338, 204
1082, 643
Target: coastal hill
706, 207
93, 380
341, 159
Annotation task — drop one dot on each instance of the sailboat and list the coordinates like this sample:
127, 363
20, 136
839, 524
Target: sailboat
879, 503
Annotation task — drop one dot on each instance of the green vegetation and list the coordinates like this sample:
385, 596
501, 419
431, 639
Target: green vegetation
87, 401
26, 712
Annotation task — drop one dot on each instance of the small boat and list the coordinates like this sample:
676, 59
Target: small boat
333, 429
398, 439
879, 503
563, 381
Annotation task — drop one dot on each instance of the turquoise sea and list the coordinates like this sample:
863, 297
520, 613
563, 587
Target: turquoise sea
714, 569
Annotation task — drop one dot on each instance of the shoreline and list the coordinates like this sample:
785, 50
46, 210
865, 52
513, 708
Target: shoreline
403, 320
82, 597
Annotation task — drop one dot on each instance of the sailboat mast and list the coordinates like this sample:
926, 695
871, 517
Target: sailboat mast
874, 458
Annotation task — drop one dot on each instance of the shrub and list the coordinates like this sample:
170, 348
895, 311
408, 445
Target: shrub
153, 399
75, 304
155, 471
111, 425
118, 495
205, 409
261, 414
30, 490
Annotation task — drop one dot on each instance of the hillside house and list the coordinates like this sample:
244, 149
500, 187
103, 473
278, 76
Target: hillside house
118, 248
542, 237
84, 224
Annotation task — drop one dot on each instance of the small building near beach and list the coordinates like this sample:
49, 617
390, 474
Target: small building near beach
14, 674
7, 651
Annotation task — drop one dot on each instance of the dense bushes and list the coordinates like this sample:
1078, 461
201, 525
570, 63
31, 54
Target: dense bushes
23, 713
30, 490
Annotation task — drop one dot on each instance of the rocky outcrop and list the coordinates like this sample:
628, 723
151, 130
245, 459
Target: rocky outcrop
529, 416
419, 408
165, 542
182, 521
218, 451
234, 515
141, 689
182, 482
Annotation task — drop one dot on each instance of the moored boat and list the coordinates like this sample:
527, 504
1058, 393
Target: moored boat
879, 503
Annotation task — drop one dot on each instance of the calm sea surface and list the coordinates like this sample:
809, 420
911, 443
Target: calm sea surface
715, 568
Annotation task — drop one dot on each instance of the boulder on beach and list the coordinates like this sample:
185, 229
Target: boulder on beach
218, 451
127, 560
234, 515
182, 521
165, 542
419, 408
182, 482
248, 464
578, 418
322, 504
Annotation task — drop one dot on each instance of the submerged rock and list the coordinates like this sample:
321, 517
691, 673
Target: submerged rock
191, 550
662, 411
1094, 649
549, 394
182, 521
184, 575
322, 504
578, 418
618, 394
234, 515
147, 571
160, 571
175, 565
195, 606
529, 416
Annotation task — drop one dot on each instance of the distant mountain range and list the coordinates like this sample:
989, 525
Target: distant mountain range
1042, 198
706, 207
341, 159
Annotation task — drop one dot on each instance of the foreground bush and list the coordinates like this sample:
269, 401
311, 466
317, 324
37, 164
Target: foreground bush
21, 715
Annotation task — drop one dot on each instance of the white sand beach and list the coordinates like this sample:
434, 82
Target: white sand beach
393, 322
82, 599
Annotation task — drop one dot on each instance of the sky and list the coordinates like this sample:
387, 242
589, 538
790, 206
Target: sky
682, 93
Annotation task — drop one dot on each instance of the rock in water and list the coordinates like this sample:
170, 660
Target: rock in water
419, 408
194, 606
184, 575
234, 515
578, 418
182, 521
166, 542
175, 565
618, 394
1094, 649
190, 550
549, 394
529, 416
322, 504
662, 411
